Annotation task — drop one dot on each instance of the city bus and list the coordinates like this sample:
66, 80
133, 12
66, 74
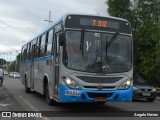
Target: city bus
80, 58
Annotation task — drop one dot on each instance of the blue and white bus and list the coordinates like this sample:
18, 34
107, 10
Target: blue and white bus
80, 58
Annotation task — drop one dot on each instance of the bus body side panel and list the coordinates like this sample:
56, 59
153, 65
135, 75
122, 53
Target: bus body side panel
38, 83
49, 73
27, 72
42, 69
36, 69
22, 72
32, 75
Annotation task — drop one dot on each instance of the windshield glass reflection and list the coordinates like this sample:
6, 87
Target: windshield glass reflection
97, 56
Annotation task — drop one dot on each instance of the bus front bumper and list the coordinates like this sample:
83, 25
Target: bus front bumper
77, 95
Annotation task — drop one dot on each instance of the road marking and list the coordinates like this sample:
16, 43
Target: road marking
4, 105
31, 106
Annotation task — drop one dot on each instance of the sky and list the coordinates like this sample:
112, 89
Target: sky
21, 19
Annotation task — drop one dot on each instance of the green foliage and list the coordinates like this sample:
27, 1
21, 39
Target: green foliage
2, 61
11, 67
144, 16
119, 8
14, 66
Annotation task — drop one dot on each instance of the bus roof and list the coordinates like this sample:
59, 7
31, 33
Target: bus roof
63, 19
117, 18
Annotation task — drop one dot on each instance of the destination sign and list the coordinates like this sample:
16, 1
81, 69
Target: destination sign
97, 23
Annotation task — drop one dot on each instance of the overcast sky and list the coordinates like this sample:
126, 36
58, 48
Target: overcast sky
21, 19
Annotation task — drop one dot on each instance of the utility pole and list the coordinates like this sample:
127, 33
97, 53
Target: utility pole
16, 60
7, 60
49, 18
10, 57
3, 59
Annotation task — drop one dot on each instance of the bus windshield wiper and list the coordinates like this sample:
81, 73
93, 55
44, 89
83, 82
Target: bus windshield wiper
112, 39
82, 41
106, 67
110, 42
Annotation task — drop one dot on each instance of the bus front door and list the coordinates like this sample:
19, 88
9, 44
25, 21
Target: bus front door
56, 66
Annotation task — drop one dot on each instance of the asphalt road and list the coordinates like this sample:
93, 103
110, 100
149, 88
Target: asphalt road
115, 110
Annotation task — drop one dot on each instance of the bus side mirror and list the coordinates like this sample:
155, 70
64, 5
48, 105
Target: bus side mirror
61, 39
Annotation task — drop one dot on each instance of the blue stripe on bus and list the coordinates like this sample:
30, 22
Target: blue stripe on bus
38, 60
82, 95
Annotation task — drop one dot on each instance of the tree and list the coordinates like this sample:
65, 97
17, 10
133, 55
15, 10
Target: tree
3, 62
148, 37
17, 62
119, 8
144, 16
11, 67
14, 66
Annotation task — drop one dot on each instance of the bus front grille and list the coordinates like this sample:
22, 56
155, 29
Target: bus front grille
96, 87
104, 80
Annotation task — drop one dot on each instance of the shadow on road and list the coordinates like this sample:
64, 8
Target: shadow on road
81, 107
141, 100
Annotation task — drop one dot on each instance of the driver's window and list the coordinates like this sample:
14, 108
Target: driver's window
57, 48
73, 52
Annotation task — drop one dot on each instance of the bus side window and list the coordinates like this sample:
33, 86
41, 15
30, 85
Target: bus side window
38, 47
34, 47
48, 46
50, 36
57, 48
42, 51
28, 51
25, 54
43, 39
22, 52
45, 46
53, 42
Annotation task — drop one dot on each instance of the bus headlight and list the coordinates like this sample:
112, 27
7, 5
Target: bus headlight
70, 83
154, 89
125, 85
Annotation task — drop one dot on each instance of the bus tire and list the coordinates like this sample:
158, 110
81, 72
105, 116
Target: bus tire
27, 89
48, 100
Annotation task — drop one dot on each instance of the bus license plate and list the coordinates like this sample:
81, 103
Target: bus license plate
100, 99
146, 94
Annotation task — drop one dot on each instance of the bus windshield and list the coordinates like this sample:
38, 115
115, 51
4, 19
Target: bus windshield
98, 52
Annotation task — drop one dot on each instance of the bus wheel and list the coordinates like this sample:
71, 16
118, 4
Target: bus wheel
49, 101
27, 89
